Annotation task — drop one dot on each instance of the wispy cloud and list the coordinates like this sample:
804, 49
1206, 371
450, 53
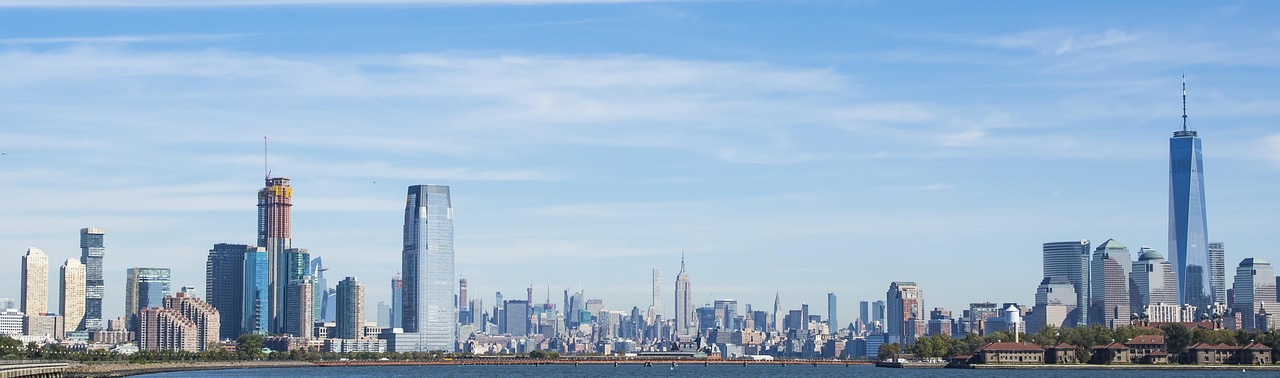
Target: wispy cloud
245, 3
123, 39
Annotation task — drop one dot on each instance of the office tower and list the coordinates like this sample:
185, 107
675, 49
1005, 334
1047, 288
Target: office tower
10, 322
1217, 271
428, 316
684, 301
804, 316
1070, 260
224, 285
778, 321
905, 302
321, 288
655, 306
1109, 281
350, 322
1188, 240
91, 251
979, 313
515, 320
1055, 302
833, 325
462, 293
296, 318
725, 311
384, 315
864, 312
878, 312
256, 305
162, 328
203, 315
71, 304
275, 200
1151, 281
1255, 290
397, 304
144, 288
35, 282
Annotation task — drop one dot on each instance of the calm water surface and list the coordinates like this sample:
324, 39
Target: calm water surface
690, 371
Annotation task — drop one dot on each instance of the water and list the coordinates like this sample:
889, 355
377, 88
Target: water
714, 371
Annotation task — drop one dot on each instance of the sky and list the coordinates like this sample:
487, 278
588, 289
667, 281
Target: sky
790, 148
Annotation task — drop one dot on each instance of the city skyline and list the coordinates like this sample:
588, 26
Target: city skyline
858, 136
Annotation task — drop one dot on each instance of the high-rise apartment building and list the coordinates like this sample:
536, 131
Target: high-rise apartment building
1070, 261
832, 324
71, 302
35, 282
298, 320
1255, 291
275, 201
428, 315
92, 250
684, 318
203, 315
350, 322
224, 285
144, 288
1217, 271
1109, 281
255, 308
162, 328
1188, 230
905, 303
1152, 281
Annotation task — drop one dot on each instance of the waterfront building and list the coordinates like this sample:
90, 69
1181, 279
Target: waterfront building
203, 315
71, 303
10, 322
905, 302
350, 322
1110, 285
275, 203
1151, 280
224, 285
162, 328
255, 309
92, 250
1255, 290
35, 282
1188, 229
684, 302
428, 315
144, 287
1070, 261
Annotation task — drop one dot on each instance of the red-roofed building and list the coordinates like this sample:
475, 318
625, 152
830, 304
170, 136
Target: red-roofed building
1252, 354
1061, 354
1147, 349
1010, 353
1113, 353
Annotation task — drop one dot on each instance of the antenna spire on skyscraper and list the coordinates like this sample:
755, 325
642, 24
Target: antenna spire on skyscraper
265, 172
1184, 102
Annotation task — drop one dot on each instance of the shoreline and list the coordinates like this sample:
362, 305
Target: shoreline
125, 369
1123, 367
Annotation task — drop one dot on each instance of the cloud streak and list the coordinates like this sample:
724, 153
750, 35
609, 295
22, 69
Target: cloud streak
253, 3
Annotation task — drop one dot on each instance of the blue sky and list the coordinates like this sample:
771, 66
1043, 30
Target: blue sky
800, 147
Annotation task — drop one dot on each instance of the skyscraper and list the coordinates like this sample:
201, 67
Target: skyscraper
1217, 271
275, 200
429, 319
832, 324
684, 301
1151, 281
91, 251
1255, 290
71, 304
864, 312
1188, 240
397, 304
321, 288
255, 309
203, 315
877, 312
350, 322
144, 288
905, 303
1070, 261
462, 293
1109, 280
515, 321
655, 307
35, 282
299, 285
224, 285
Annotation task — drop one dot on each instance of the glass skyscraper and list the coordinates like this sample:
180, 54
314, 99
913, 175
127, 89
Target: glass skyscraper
144, 288
1188, 240
256, 306
91, 251
429, 317
224, 285
1069, 260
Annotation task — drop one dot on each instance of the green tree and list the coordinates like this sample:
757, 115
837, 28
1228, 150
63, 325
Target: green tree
887, 351
249, 346
1177, 338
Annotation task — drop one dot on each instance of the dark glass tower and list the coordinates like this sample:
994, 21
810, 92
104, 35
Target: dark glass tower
1188, 240
91, 251
224, 285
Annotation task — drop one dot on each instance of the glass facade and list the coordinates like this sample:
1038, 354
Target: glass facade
1188, 241
256, 306
224, 285
1070, 260
429, 317
144, 288
91, 251
1109, 285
